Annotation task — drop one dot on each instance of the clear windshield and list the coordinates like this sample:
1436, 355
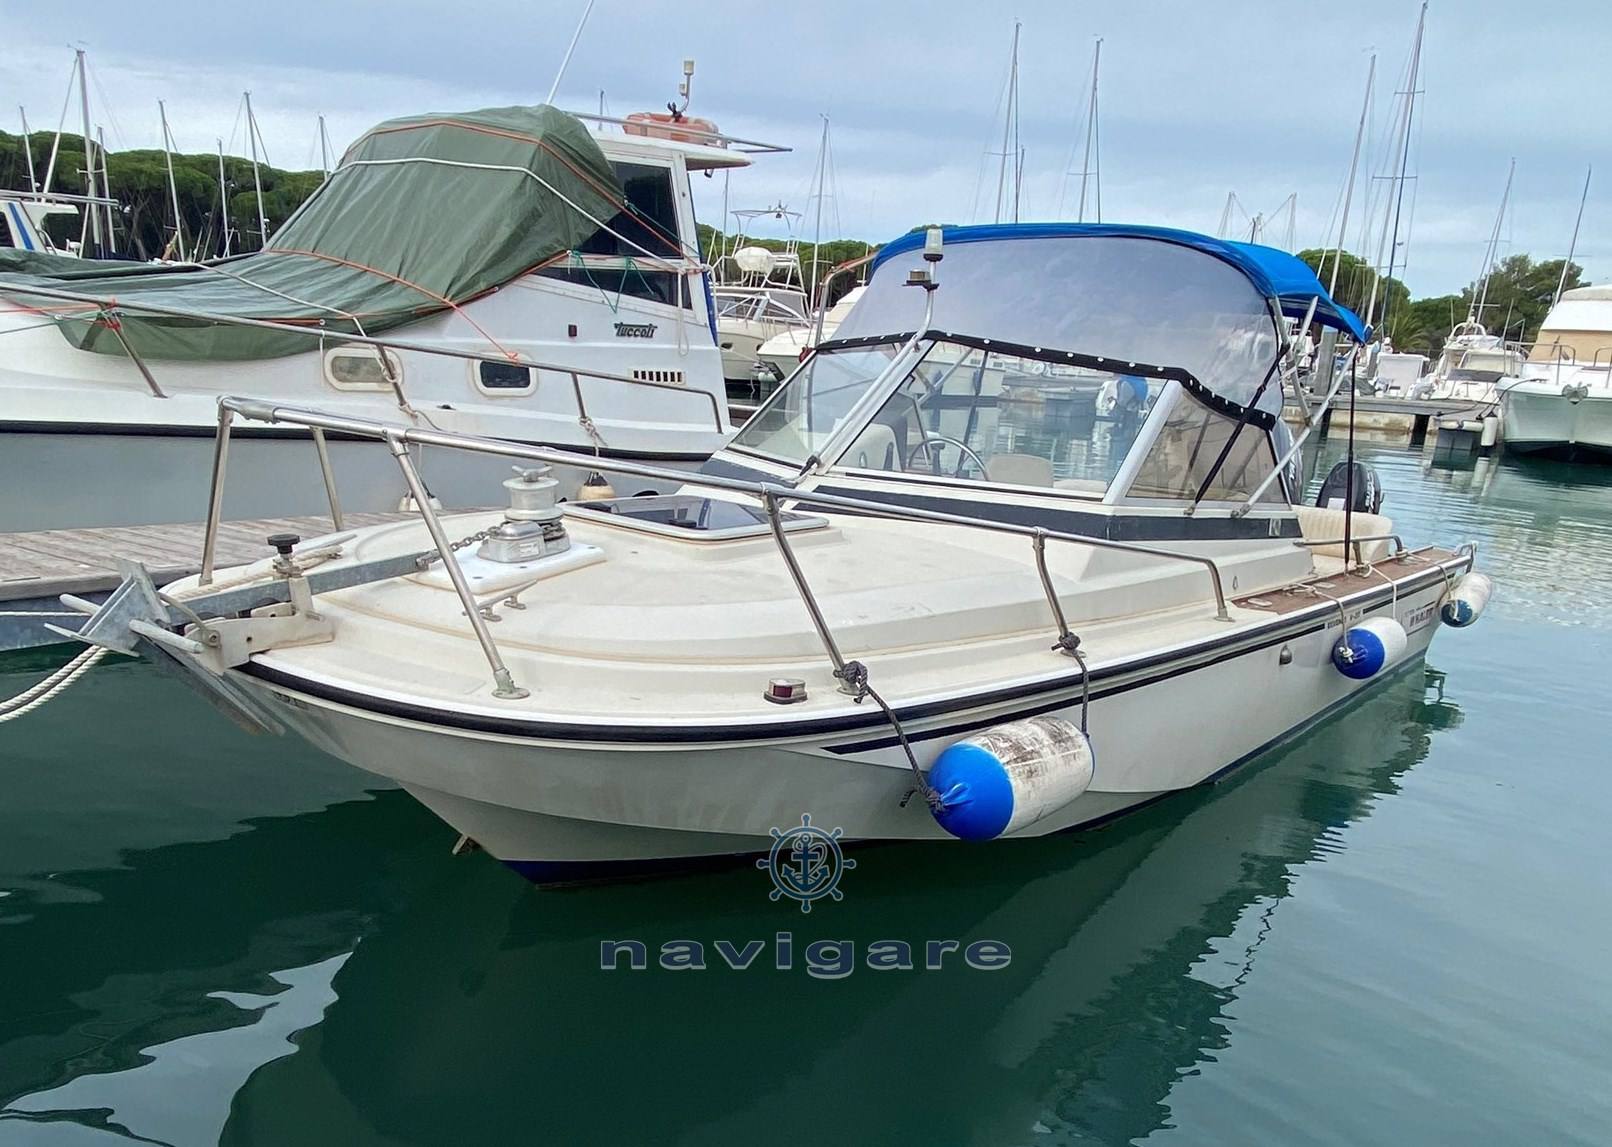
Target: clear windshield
803, 414
974, 415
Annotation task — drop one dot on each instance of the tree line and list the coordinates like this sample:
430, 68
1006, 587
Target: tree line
1514, 304
143, 223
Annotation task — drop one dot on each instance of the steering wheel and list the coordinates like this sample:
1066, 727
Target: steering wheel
942, 440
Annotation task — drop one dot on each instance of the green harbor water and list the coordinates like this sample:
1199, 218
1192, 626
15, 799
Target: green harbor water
1394, 929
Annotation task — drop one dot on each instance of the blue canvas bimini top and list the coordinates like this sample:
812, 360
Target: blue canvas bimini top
1275, 274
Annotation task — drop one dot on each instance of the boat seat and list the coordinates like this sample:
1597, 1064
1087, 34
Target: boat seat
1021, 470
874, 449
1320, 524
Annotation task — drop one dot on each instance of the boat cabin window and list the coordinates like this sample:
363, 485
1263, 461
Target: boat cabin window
5, 232
359, 368
647, 224
504, 377
1186, 448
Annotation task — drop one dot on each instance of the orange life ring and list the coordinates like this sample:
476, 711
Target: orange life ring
660, 125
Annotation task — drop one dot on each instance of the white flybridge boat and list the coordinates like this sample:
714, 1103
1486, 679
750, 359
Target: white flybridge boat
1562, 404
884, 606
505, 272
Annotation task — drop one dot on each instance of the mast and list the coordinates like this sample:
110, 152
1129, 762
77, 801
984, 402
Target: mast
1476, 311
566, 62
173, 188
1225, 215
257, 180
1403, 145
822, 175
1573, 246
1354, 163
92, 214
1008, 135
106, 192
223, 197
28, 148
324, 148
1404, 155
1091, 131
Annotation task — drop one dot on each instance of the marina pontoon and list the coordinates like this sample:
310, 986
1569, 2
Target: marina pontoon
900, 602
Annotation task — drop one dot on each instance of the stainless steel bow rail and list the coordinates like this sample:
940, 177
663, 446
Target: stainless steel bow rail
108, 311
138, 610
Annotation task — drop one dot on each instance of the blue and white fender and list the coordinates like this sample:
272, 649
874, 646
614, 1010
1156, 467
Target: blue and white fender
1009, 776
1465, 602
1368, 648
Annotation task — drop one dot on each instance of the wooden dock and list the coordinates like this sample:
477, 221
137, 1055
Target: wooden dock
35, 568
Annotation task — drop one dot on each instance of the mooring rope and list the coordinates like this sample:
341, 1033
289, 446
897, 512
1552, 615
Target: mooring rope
37, 695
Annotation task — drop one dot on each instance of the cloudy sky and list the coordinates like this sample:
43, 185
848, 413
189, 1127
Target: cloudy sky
1197, 100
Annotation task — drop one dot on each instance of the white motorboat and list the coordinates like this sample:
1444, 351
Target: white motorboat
37, 222
507, 272
759, 293
1562, 404
1473, 366
785, 350
883, 607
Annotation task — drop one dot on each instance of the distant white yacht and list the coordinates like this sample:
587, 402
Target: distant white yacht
1562, 404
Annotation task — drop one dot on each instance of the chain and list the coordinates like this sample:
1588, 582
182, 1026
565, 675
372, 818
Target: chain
454, 547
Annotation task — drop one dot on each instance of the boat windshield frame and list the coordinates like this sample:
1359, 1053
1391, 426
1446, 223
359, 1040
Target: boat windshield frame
831, 453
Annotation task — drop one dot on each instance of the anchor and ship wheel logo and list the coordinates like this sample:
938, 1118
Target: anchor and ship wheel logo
806, 864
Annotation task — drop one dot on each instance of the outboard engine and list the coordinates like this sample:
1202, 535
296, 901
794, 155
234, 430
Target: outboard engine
1368, 490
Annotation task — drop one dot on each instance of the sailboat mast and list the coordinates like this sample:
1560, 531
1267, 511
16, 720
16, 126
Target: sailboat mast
1404, 154
822, 175
1489, 253
173, 188
1354, 164
1091, 129
1561, 283
91, 210
223, 197
324, 148
1389, 207
106, 192
28, 148
1018, 144
257, 180
1007, 123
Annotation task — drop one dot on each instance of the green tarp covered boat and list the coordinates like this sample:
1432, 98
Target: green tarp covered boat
424, 213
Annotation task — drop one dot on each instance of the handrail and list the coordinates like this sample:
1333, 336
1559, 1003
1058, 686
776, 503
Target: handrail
822, 290
770, 494
111, 307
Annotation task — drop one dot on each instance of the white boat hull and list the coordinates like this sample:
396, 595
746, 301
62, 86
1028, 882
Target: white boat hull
1541, 419
565, 810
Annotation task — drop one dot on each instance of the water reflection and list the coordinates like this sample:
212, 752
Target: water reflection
473, 1008
1542, 527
